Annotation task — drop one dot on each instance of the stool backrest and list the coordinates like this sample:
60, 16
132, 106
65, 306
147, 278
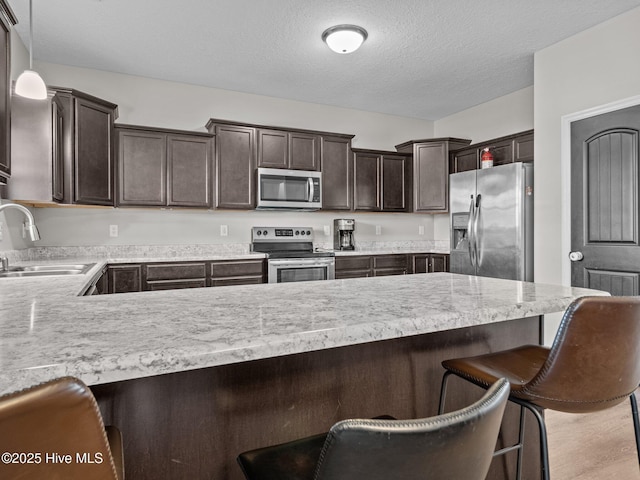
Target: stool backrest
594, 362
59, 426
454, 446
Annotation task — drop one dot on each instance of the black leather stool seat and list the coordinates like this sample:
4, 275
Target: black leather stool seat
455, 446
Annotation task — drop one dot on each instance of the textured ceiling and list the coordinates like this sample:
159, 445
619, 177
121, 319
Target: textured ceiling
423, 58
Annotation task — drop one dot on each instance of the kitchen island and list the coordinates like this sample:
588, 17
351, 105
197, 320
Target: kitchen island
193, 377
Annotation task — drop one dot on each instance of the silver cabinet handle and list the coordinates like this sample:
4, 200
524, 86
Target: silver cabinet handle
575, 256
476, 216
311, 189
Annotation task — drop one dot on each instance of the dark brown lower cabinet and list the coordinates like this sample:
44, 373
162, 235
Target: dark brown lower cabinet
384, 265
174, 275
429, 263
124, 278
237, 272
357, 266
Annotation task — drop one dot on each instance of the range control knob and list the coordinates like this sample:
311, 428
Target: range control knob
297, 232
308, 232
302, 232
259, 232
264, 232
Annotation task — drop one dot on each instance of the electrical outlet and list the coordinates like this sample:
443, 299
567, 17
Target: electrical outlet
378, 230
327, 231
420, 229
224, 230
1, 231
113, 230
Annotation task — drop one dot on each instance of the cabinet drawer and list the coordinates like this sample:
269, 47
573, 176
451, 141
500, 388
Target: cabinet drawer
175, 271
222, 282
390, 261
237, 268
384, 272
361, 262
353, 274
175, 284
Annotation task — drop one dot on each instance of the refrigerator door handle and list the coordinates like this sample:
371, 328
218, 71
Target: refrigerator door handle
476, 216
472, 256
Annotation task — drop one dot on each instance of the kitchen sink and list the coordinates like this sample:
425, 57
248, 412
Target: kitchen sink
44, 270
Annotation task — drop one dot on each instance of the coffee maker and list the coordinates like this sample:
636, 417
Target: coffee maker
343, 234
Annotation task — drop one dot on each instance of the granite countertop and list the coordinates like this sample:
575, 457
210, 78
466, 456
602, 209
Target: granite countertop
49, 331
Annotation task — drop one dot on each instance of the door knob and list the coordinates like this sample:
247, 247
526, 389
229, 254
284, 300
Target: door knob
575, 256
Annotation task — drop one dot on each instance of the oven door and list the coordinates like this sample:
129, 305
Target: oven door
281, 270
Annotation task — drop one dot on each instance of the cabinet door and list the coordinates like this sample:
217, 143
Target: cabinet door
438, 262
93, 155
420, 263
465, 160
5, 96
502, 152
430, 177
188, 171
57, 151
337, 173
235, 167
366, 193
523, 148
394, 183
273, 149
124, 278
304, 151
142, 167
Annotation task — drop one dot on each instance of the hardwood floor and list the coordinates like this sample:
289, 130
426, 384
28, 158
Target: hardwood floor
593, 447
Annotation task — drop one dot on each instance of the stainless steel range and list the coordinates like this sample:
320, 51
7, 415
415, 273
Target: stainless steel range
290, 254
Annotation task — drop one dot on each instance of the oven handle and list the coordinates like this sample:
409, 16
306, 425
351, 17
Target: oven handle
302, 261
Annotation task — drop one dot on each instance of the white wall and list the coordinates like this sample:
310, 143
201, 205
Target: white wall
591, 69
506, 115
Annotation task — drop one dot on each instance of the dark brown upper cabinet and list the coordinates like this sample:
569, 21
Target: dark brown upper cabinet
380, 181
7, 20
235, 164
288, 150
429, 172
88, 147
511, 148
62, 149
240, 148
337, 172
163, 167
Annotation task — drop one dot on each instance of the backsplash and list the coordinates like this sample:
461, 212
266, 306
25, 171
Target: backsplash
197, 251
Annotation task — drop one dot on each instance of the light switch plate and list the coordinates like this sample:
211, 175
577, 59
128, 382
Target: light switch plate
327, 230
378, 230
420, 229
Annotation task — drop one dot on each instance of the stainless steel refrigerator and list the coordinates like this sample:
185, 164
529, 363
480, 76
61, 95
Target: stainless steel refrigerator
491, 213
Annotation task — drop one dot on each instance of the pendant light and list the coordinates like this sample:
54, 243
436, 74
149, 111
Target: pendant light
344, 38
29, 83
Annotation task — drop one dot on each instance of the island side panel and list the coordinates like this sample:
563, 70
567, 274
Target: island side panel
193, 424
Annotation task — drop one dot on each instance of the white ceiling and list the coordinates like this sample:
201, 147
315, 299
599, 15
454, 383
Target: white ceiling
423, 58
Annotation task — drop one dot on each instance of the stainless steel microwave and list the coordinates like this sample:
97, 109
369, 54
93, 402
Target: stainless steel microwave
289, 189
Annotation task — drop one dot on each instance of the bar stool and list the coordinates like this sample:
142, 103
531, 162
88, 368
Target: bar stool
593, 364
55, 430
455, 446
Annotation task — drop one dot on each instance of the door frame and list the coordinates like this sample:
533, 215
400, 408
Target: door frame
565, 171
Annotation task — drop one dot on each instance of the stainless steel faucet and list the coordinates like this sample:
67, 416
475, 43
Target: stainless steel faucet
30, 225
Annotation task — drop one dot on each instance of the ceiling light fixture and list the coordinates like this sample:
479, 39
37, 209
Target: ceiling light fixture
29, 83
344, 38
